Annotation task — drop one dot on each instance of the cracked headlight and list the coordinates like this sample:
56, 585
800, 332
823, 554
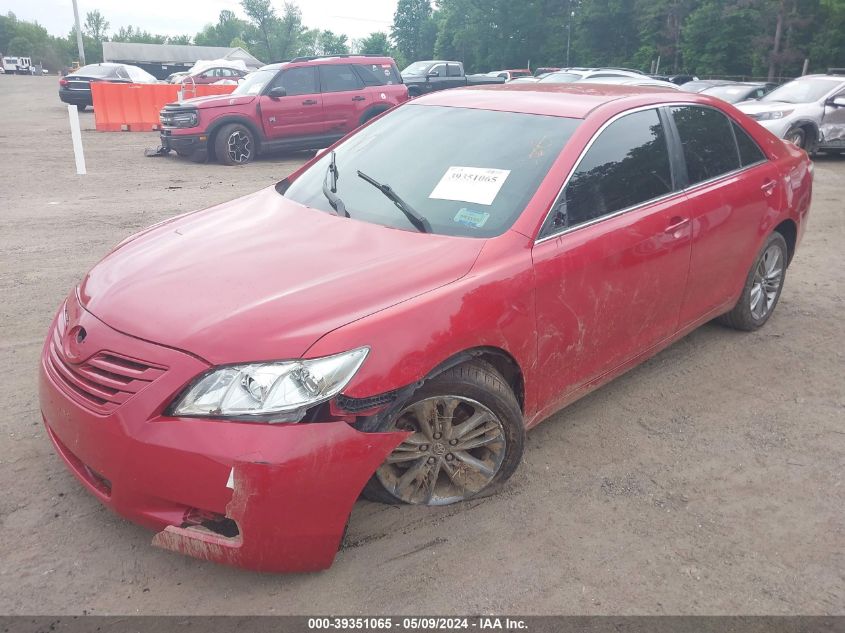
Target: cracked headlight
271, 392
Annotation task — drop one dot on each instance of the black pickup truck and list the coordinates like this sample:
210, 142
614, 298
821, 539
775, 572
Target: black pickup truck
436, 74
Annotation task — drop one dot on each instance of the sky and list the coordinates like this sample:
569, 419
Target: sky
175, 17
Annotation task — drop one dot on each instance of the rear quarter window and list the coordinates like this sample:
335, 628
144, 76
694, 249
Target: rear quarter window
378, 74
707, 141
749, 152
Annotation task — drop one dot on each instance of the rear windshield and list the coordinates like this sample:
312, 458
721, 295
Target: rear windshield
97, 70
378, 74
463, 178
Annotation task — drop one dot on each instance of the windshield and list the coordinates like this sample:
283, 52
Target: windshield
254, 82
417, 68
731, 94
463, 179
560, 78
802, 90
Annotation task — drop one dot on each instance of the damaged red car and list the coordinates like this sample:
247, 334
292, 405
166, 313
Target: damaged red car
393, 317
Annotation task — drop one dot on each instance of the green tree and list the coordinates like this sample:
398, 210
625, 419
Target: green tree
20, 46
414, 30
95, 26
375, 44
717, 36
265, 20
330, 43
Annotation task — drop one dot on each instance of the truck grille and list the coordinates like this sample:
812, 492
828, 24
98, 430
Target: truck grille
104, 381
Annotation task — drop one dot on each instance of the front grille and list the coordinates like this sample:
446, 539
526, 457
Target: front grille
104, 381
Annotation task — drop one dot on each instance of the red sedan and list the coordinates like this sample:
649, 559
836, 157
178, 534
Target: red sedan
396, 314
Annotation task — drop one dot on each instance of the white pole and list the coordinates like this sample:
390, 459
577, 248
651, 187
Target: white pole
76, 136
78, 34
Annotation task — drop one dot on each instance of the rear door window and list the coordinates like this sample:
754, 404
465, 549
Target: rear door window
626, 165
454, 70
339, 78
708, 142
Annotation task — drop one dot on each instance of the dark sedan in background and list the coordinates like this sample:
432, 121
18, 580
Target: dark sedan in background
75, 88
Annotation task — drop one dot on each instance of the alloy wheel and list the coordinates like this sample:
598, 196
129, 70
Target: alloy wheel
768, 278
239, 147
456, 448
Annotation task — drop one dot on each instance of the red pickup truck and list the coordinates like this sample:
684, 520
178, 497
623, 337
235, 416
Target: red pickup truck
307, 103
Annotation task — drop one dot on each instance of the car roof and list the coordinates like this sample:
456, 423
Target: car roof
330, 59
573, 100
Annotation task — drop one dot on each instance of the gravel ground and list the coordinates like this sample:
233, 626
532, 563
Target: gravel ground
706, 481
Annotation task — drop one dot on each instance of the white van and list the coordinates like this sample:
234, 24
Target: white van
17, 65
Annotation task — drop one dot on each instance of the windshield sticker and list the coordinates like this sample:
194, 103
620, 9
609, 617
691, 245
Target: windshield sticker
472, 219
478, 185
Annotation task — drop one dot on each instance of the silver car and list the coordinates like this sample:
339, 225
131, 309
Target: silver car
808, 112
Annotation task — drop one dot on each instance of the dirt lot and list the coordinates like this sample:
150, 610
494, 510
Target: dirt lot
707, 481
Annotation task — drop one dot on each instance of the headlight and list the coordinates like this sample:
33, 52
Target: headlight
769, 116
271, 392
182, 119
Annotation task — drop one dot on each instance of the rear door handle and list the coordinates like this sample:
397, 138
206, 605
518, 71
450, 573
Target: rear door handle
768, 187
359, 98
309, 102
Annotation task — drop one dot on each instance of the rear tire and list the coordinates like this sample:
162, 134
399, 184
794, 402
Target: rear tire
234, 145
472, 443
762, 289
81, 107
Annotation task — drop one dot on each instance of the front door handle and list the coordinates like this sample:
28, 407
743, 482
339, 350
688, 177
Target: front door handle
675, 226
309, 102
768, 187
359, 98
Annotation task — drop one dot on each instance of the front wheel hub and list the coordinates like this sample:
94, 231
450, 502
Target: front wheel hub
455, 449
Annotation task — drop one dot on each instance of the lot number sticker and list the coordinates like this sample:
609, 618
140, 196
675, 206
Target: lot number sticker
478, 185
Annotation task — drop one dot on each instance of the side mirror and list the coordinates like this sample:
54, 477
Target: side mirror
838, 102
277, 92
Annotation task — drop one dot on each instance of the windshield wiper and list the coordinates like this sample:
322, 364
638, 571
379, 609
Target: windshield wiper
331, 193
419, 222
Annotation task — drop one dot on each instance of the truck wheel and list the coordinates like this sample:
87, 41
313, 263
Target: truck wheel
467, 436
81, 107
234, 145
762, 288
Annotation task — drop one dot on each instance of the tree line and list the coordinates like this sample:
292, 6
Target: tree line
732, 38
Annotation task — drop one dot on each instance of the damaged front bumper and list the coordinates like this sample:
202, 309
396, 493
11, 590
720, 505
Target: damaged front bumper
283, 493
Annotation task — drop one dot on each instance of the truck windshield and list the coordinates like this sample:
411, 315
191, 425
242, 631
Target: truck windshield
254, 82
468, 172
416, 69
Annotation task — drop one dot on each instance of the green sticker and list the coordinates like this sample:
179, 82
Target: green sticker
474, 219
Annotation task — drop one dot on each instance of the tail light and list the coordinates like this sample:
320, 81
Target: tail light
62, 82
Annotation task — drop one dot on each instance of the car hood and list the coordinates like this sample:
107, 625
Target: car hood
263, 278
214, 101
756, 107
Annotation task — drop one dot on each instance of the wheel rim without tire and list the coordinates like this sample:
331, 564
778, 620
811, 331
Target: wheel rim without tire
797, 139
456, 448
240, 147
767, 280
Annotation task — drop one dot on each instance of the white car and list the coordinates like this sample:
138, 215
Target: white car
569, 75
632, 81
808, 112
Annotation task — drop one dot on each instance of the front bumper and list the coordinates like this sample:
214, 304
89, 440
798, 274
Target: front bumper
778, 127
294, 485
193, 144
